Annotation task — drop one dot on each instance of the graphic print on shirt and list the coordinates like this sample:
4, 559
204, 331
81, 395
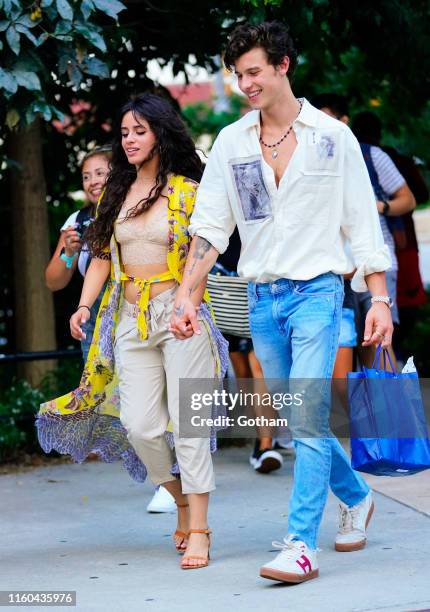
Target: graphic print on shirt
322, 152
251, 189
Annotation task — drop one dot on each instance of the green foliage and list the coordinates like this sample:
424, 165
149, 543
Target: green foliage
17, 409
202, 118
20, 403
46, 46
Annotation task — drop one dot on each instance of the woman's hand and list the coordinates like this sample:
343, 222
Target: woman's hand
80, 317
72, 241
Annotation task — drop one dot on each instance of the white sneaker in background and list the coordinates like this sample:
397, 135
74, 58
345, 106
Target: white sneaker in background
162, 501
353, 521
295, 563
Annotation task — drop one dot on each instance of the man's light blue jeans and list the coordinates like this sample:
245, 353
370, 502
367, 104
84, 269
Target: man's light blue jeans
295, 330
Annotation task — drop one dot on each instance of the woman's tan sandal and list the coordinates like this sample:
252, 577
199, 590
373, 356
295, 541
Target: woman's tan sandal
205, 560
180, 537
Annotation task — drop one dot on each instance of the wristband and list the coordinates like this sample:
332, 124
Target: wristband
386, 208
84, 306
68, 259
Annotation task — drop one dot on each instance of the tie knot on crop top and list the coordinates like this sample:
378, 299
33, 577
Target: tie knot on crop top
143, 239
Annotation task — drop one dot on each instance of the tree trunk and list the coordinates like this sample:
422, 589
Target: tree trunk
34, 309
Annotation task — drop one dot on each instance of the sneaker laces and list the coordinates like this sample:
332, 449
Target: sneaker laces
288, 547
347, 517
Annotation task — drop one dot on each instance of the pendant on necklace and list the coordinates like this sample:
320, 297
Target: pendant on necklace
274, 154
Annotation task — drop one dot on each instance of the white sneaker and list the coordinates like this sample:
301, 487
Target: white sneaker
353, 521
295, 563
162, 501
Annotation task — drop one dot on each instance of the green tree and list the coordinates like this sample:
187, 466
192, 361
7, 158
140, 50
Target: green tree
49, 49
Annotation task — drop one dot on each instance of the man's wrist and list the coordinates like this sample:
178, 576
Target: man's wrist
382, 299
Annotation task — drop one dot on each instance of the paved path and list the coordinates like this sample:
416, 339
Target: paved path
84, 527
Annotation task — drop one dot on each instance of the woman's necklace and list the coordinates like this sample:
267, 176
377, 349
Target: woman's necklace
275, 152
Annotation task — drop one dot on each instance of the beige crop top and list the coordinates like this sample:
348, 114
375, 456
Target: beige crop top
143, 239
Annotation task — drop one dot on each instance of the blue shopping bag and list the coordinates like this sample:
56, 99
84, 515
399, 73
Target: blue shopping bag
389, 434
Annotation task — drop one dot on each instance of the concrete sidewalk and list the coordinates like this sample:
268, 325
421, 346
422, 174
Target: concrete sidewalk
84, 528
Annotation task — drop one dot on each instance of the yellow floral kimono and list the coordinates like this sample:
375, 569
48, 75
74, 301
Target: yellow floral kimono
87, 419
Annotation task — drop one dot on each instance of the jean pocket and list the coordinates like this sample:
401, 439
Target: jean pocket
252, 300
316, 287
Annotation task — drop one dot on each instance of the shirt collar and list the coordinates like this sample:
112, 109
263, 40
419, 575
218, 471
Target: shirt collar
307, 116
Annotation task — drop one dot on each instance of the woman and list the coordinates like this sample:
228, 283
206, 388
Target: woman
70, 252
140, 235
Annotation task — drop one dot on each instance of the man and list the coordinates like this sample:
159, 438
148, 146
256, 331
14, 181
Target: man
314, 191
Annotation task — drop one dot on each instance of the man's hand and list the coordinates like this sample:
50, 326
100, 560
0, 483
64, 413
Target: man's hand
183, 322
379, 326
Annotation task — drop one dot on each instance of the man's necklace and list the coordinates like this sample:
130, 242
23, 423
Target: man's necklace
275, 152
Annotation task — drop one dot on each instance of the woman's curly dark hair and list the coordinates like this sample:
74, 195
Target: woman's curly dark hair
272, 36
177, 155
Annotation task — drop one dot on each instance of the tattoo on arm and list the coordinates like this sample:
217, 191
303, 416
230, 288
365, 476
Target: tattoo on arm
191, 291
202, 247
179, 310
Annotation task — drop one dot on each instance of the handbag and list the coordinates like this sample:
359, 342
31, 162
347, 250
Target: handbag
229, 300
389, 434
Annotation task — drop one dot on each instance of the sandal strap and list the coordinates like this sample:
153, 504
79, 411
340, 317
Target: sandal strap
181, 534
182, 505
206, 531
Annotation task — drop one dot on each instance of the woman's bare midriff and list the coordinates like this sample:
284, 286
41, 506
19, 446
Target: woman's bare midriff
145, 271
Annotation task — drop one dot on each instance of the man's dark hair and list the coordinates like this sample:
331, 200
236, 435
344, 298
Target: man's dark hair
272, 36
367, 128
335, 102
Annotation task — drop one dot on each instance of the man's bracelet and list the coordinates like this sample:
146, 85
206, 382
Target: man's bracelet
84, 306
382, 298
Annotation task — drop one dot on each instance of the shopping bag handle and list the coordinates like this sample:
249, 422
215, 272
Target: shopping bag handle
386, 354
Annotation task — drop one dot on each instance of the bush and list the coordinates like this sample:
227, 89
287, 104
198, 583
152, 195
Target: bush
20, 403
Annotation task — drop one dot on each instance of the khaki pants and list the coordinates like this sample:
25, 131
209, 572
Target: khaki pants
149, 371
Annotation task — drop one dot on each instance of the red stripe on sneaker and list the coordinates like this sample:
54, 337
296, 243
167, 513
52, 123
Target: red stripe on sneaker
306, 564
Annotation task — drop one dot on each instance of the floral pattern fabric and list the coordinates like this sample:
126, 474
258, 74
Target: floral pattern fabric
87, 419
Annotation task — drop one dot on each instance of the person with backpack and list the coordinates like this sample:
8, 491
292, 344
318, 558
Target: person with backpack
393, 199
410, 290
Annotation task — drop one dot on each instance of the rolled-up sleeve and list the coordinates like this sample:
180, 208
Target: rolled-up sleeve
360, 219
212, 218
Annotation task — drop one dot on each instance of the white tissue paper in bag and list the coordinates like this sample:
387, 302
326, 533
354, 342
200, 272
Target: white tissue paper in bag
409, 366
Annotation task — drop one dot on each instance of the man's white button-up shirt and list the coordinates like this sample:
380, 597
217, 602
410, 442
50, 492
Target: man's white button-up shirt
297, 230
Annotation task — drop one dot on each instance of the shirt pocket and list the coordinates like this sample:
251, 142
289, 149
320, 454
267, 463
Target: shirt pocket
316, 189
250, 188
323, 153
